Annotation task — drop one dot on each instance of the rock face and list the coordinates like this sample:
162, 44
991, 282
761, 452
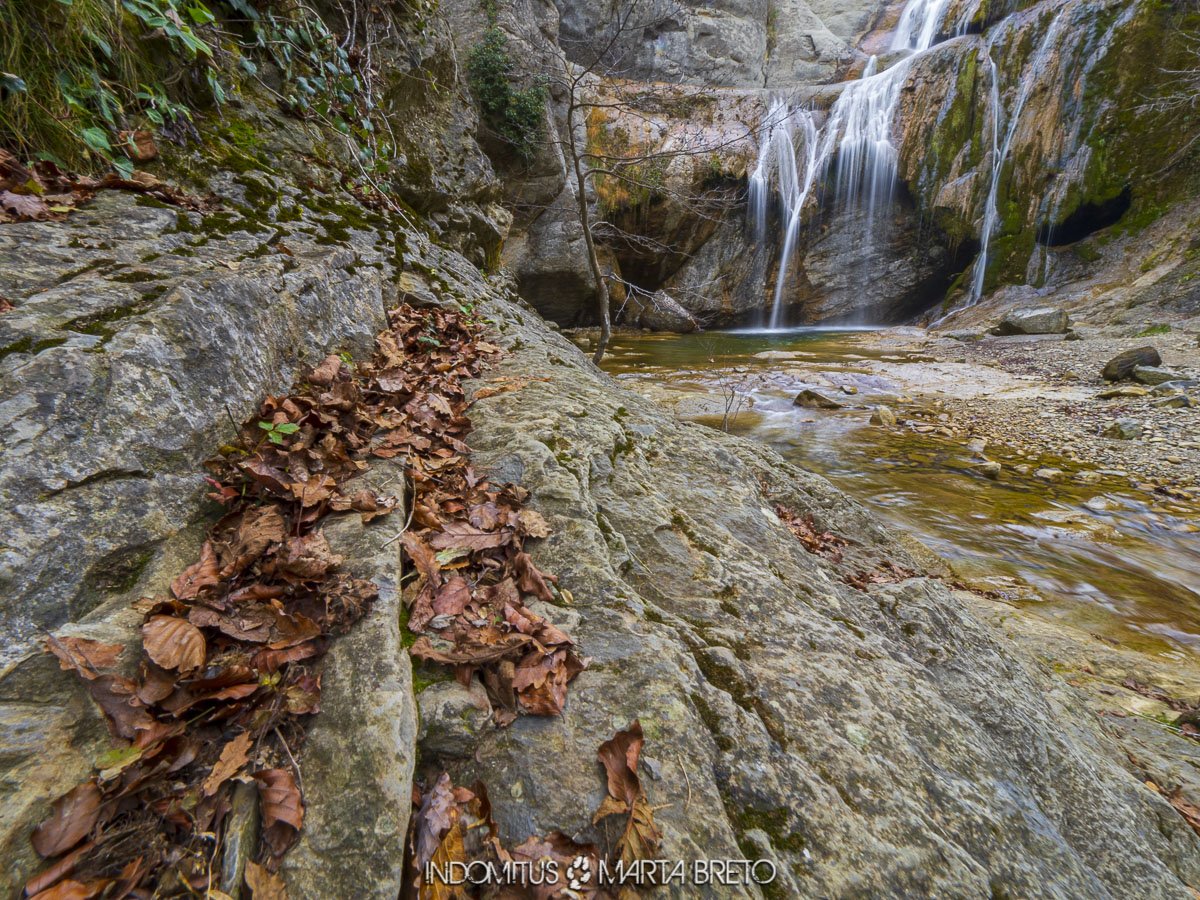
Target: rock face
1042, 320
879, 742
1122, 365
359, 753
117, 374
736, 43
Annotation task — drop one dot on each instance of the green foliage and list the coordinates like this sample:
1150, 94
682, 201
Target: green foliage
78, 76
276, 432
514, 113
319, 80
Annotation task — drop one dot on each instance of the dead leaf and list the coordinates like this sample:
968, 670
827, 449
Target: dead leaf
198, 576
233, 756
87, 657
72, 818
173, 643
280, 798
453, 597
533, 523
264, 885
327, 372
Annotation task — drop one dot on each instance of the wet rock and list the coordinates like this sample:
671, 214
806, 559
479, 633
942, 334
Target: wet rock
1175, 387
883, 415
966, 336
989, 469
659, 312
241, 838
360, 751
811, 399
1124, 430
1153, 375
1122, 365
1048, 474
1042, 320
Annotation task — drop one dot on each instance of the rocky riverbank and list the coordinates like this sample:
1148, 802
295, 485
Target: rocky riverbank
1042, 400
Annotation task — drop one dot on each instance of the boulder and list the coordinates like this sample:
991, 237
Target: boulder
659, 312
1122, 365
883, 415
989, 469
1124, 430
1153, 375
1040, 320
810, 399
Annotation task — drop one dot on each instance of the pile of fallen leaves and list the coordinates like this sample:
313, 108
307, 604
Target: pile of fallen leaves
227, 673
822, 543
455, 825
44, 193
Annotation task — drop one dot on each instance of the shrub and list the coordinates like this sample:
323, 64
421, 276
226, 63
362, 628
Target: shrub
514, 113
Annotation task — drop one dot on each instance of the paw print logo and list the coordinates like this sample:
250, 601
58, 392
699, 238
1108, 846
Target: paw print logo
579, 872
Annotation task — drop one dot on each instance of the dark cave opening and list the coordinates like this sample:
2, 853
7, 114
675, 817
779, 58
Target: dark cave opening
1086, 220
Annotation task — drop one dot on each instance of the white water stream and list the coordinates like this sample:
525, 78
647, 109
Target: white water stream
795, 155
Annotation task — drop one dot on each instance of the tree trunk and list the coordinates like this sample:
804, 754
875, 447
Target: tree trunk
585, 220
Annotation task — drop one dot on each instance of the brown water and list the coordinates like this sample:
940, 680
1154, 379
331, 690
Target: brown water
1104, 556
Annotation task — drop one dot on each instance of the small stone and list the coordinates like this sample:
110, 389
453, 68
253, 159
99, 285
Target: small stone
1175, 401
1175, 460
1124, 430
849, 389
1073, 335
977, 446
883, 415
1122, 365
1177, 386
989, 469
1153, 375
1049, 474
1121, 392
1088, 477
812, 400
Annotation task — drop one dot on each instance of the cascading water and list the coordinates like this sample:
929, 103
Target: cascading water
792, 154
1000, 151
919, 25
795, 154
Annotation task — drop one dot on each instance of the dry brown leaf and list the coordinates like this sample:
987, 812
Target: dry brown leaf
325, 374
234, 755
198, 576
87, 657
534, 523
173, 643
72, 817
264, 885
280, 798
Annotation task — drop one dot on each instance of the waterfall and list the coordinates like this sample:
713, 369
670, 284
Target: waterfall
919, 24
795, 154
991, 215
791, 153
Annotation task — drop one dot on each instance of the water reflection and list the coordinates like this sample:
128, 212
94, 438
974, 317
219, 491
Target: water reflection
1103, 556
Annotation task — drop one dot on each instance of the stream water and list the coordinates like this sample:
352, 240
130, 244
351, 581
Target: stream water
1104, 556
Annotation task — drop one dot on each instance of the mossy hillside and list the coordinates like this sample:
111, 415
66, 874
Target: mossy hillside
1110, 127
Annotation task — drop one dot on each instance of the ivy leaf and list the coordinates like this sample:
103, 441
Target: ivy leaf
287, 428
97, 139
